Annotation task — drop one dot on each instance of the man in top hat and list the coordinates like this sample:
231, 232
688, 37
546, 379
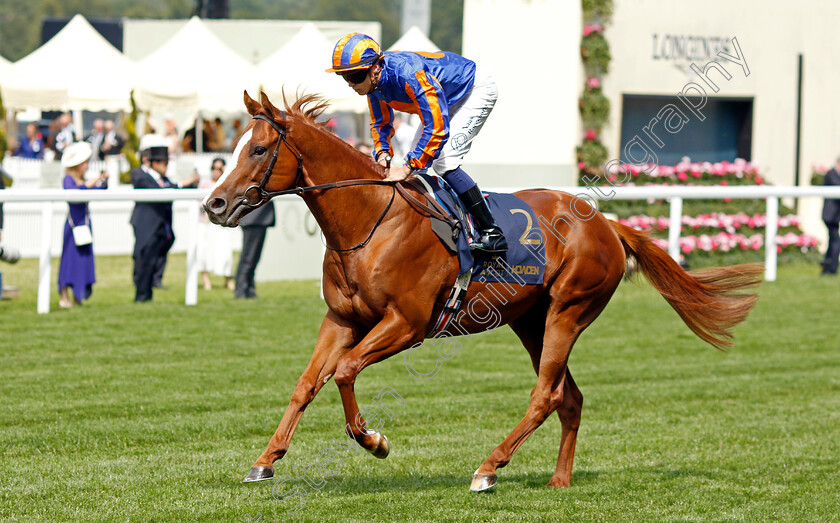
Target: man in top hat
152, 221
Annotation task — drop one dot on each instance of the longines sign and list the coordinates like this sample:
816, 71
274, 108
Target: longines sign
688, 48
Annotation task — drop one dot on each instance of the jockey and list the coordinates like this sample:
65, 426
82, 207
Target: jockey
452, 100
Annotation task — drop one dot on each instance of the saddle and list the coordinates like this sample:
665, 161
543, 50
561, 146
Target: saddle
446, 226
522, 264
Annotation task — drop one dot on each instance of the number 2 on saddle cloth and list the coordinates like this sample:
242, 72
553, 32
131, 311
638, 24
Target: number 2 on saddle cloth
523, 263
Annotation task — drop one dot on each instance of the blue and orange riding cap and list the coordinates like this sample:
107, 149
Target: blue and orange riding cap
354, 51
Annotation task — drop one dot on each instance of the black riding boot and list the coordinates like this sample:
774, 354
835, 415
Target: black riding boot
491, 238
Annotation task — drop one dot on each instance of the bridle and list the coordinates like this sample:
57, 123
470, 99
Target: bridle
435, 209
299, 188
264, 195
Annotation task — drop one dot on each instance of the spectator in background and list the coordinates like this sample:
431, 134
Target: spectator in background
160, 268
831, 218
66, 134
49, 139
254, 227
112, 142
31, 144
189, 145
219, 136
171, 134
152, 221
76, 269
235, 134
7, 254
95, 138
215, 243
210, 133
2, 186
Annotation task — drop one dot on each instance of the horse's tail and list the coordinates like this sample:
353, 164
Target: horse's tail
703, 299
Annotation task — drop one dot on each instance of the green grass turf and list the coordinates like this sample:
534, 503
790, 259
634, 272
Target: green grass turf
154, 412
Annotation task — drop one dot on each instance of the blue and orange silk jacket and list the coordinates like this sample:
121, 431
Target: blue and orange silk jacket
426, 84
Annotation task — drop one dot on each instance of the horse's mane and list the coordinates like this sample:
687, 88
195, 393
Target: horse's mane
307, 106
306, 109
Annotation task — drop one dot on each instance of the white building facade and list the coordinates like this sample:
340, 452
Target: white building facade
712, 81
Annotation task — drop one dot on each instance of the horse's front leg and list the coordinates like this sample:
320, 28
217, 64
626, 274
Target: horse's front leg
391, 335
335, 339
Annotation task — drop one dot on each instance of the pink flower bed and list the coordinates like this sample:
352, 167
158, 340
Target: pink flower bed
728, 222
686, 170
725, 242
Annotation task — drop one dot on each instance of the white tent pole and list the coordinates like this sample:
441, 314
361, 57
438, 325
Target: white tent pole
140, 124
11, 123
78, 123
199, 133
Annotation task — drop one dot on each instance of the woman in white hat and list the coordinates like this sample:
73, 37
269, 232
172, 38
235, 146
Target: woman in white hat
76, 269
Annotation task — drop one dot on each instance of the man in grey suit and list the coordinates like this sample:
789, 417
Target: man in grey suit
254, 227
831, 217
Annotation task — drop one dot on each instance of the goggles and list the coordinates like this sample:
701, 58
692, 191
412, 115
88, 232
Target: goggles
356, 76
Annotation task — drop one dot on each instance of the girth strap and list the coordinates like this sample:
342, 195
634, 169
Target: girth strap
451, 306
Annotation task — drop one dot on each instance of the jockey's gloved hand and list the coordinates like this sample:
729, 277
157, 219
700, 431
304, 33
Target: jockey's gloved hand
398, 174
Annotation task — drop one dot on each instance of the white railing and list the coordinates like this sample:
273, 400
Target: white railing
675, 194
41, 174
48, 197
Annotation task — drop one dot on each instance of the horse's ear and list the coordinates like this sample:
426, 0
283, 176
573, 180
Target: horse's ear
276, 113
252, 105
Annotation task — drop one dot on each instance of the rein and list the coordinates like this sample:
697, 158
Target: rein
299, 189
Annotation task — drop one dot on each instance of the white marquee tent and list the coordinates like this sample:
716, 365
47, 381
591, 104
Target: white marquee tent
5, 73
194, 70
4, 67
300, 65
21, 91
75, 69
414, 40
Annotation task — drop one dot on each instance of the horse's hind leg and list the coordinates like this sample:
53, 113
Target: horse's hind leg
551, 375
530, 329
571, 404
567, 316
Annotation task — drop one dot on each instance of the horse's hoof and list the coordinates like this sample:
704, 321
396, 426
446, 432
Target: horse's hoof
557, 483
382, 449
483, 482
259, 474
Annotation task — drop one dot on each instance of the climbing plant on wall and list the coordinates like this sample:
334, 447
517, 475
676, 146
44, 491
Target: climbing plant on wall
132, 144
594, 106
3, 143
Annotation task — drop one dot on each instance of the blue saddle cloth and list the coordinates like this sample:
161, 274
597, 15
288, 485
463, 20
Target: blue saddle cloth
524, 261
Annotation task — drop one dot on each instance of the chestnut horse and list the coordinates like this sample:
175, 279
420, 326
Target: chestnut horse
386, 277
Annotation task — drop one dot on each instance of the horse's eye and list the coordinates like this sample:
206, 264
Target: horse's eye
259, 150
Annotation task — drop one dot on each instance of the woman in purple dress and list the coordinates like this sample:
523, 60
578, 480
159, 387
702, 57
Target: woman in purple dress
76, 269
